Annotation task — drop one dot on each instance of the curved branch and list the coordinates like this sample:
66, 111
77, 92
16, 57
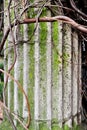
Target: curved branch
65, 19
22, 90
77, 10
13, 114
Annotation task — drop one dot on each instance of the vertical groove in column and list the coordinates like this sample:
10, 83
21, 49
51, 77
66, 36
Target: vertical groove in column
25, 70
60, 101
79, 83
49, 73
10, 61
37, 72
17, 64
37, 76
5, 46
74, 75
67, 74
18, 75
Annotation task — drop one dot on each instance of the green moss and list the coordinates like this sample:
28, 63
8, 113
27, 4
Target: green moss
43, 126
54, 121
55, 61
31, 33
5, 125
6, 3
21, 31
66, 127
66, 45
55, 33
56, 55
44, 12
56, 127
65, 59
43, 33
31, 81
43, 39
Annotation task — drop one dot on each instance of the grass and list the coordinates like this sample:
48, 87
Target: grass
5, 125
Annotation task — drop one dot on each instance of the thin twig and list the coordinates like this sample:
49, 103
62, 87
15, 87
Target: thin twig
5, 85
77, 10
22, 90
13, 114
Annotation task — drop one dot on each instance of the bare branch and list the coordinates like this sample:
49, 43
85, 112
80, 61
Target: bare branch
77, 10
65, 19
22, 90
5, 85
